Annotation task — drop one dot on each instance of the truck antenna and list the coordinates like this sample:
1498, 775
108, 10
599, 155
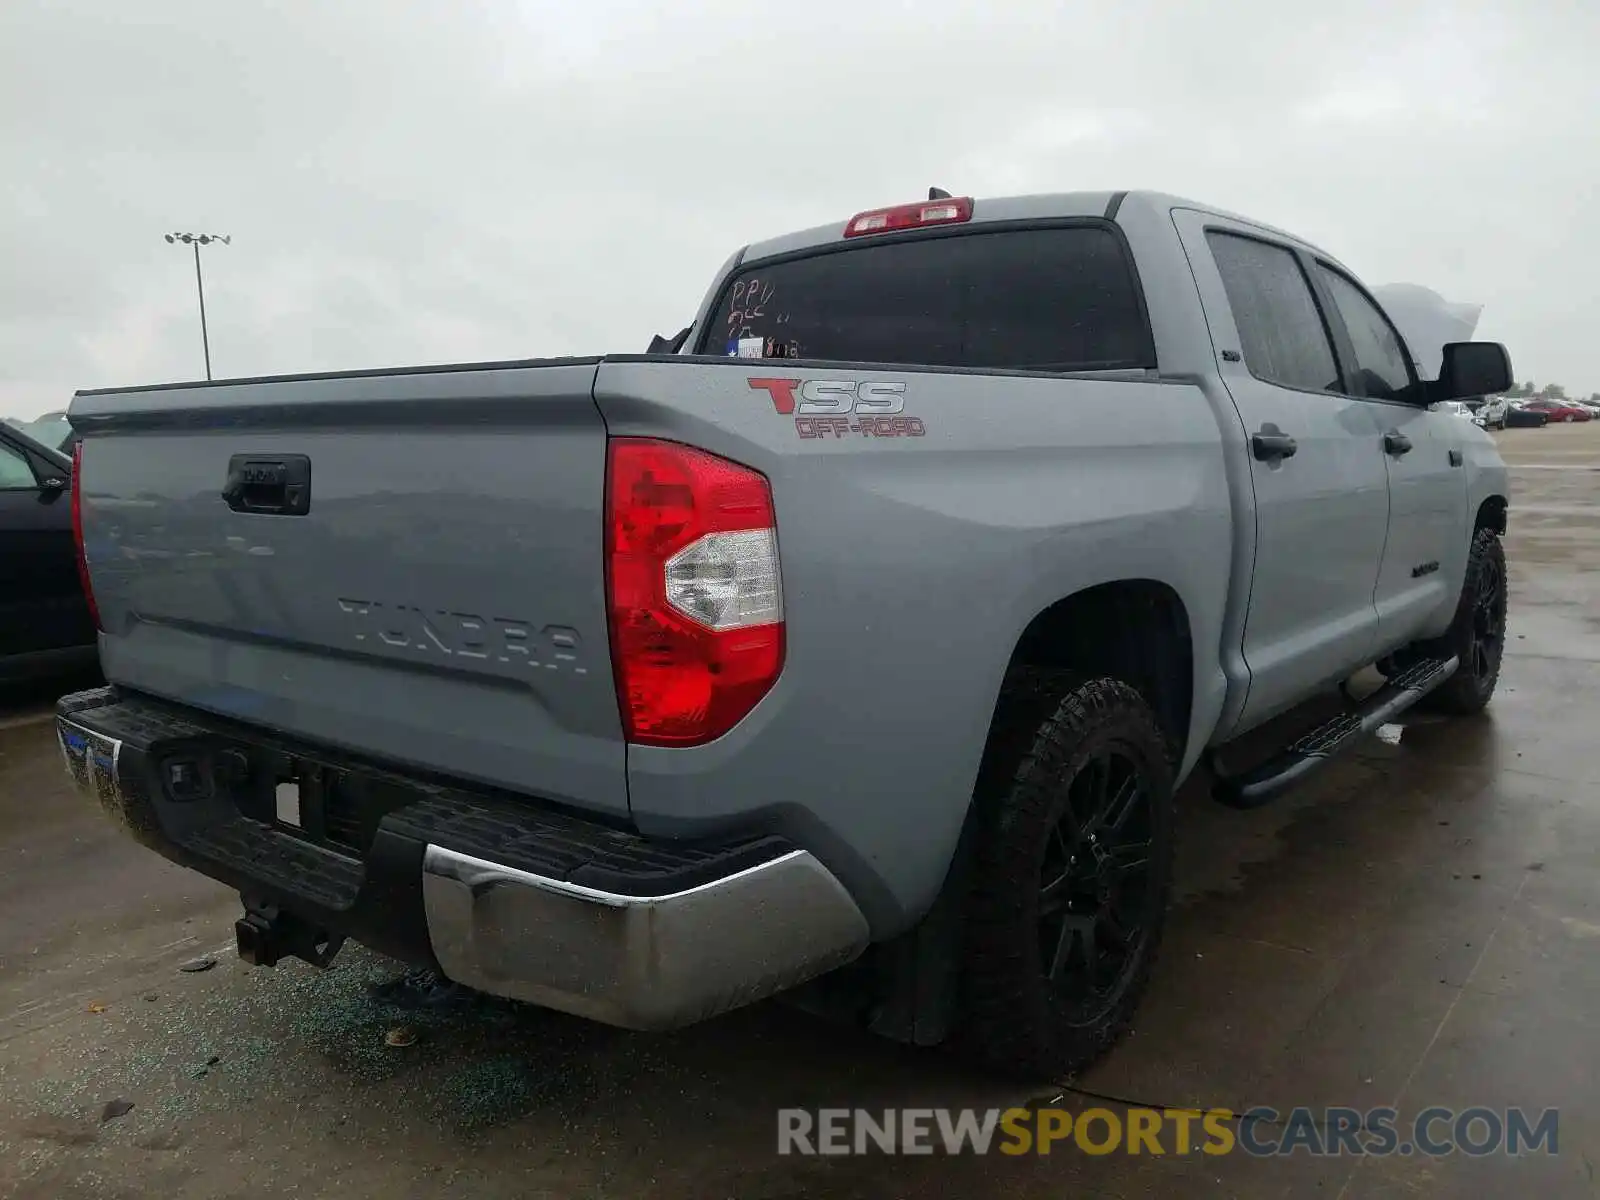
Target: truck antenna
935, 193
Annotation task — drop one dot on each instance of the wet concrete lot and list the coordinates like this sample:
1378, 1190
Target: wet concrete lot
1418, 927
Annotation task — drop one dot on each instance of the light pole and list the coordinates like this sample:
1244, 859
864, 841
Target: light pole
197, 240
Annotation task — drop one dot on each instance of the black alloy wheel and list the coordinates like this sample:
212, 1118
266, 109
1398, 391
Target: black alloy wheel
1486, 642
1096, 902
1070, 873
1477, 635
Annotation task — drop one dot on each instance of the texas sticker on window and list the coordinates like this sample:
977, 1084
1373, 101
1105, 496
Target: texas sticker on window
746, 347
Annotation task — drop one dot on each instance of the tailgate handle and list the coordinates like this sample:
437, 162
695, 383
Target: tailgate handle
269, 484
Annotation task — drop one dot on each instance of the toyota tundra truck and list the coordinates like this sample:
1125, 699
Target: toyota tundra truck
851, 648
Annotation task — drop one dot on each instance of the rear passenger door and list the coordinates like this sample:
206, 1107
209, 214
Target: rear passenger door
1321, 492
1425, 554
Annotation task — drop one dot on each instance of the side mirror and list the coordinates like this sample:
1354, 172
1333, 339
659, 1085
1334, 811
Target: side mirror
52, 485
1472, 369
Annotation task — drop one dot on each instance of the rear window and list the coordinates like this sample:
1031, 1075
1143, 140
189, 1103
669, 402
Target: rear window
1061, 299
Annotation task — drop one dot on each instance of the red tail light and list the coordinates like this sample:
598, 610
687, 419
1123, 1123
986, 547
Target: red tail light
695, 597
949, 211
77, 532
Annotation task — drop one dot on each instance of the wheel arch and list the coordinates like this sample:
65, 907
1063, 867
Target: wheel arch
1135, 630
1492, 514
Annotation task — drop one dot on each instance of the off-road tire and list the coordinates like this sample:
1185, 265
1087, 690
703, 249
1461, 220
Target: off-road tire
1050, 729
1477, 634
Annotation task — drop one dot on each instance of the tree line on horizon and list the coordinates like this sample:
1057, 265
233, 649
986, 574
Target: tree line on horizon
1549, 391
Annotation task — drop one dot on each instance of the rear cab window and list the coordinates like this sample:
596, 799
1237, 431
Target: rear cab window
1058, 298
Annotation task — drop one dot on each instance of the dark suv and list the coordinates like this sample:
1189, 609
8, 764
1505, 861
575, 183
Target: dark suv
45, 625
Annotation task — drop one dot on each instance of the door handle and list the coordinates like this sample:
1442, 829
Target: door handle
269, 484
1268, 446
1397, 444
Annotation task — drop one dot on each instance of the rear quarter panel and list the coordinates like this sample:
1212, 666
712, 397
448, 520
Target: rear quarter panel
911, 565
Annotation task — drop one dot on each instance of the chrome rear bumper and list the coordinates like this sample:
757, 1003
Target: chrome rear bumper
751, 925
642, 962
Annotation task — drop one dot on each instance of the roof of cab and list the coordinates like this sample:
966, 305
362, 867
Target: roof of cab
1043, 206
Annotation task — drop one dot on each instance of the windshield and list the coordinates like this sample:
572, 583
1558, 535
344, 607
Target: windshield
1057, 299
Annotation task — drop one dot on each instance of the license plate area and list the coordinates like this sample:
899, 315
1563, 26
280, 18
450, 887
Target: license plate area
321, 804
287, 803
298, 798
200, 780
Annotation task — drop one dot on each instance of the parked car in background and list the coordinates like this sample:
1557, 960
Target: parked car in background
45, 623
1520, 416
1493, 411
1560, 410
1460, 408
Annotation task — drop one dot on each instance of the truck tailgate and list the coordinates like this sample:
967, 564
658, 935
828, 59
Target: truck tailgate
439, 603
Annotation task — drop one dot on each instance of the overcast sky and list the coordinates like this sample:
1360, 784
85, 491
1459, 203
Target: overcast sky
466, 179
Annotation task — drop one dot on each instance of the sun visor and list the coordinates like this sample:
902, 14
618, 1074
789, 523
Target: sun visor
1427, 321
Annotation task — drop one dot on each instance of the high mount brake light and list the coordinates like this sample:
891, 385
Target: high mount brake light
77, 533
949, 211
693, 590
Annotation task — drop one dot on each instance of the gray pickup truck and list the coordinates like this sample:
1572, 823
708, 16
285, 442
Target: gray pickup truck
860, 642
